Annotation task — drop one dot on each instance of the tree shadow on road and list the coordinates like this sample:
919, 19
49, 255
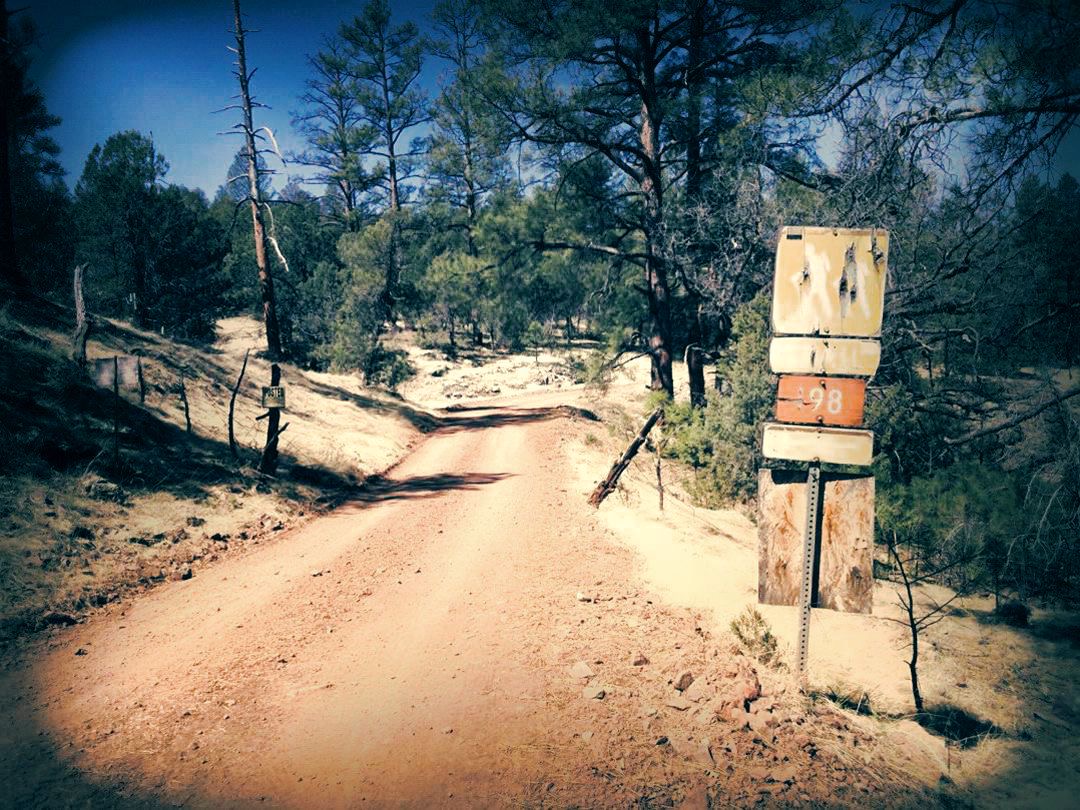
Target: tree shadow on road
378, 489
480, 418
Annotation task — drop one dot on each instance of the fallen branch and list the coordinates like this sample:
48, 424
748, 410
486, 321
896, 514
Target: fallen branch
607, 486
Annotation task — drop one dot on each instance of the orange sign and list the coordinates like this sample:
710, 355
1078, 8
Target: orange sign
820, 400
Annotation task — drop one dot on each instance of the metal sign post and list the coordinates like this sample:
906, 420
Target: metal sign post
827, 311
806, 595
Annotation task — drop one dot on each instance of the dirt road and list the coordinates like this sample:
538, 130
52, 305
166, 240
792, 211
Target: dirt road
412, 648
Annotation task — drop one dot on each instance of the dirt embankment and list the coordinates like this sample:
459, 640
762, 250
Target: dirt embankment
101, 494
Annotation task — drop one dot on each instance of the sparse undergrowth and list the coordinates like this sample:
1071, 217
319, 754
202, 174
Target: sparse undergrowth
756, 636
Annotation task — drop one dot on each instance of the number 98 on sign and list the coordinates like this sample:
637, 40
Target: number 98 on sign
811, 400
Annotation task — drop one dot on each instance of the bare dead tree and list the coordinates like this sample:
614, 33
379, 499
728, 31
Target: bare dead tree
247, 128
184, 402
915, 620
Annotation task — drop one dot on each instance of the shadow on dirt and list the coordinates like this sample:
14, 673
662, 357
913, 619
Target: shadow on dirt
480, 418
424, 422
379, 489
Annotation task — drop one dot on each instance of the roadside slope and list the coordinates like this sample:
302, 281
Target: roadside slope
98, 493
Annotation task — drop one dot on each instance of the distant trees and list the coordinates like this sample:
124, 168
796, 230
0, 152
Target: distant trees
114, 202
655, 88
331, 123
384, 63
467, 149
153, 252
35, 248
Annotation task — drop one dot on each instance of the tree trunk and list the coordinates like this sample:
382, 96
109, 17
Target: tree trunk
389, 296
266, 281
694, 82
695, 367
652, 191
184, 402
116, 411
695, 360
656, 281
470, 192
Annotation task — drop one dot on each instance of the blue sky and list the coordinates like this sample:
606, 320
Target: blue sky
162, 67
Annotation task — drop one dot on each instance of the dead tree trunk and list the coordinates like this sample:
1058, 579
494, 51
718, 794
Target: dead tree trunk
82, 322
232, 404
695, 369
269, 461
607, 486
266, 280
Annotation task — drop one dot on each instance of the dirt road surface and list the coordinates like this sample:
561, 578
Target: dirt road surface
414, 648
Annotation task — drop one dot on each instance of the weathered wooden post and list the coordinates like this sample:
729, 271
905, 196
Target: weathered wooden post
273, 398
82, 320
828, 297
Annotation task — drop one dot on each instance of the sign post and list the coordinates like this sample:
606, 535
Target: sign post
810, 541
828, 297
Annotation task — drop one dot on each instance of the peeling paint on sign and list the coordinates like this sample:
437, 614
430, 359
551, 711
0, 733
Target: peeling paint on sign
830, 281
807, 355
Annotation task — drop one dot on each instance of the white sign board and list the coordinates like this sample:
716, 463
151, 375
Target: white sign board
809, 355
819, 444
830, 281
